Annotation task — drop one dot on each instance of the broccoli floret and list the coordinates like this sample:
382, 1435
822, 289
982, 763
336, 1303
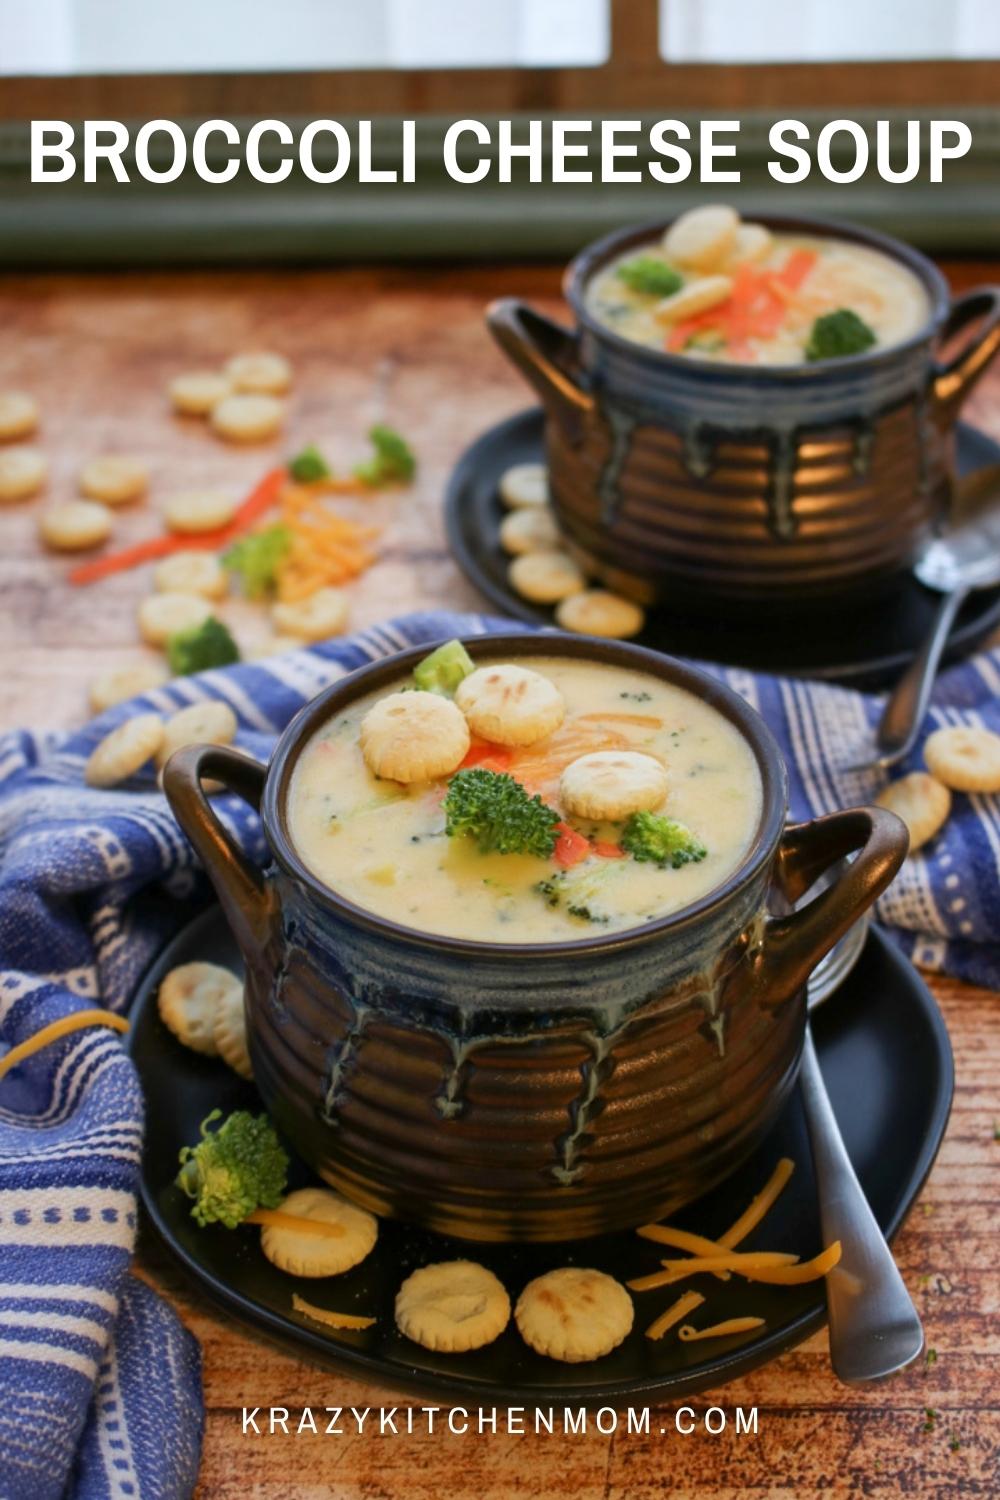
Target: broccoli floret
233, 1170
654, 839
580, 891
495, 810
206, 645
585, 914
392, 462
309, 465
256, 558
444, 669
651, 276
839, 333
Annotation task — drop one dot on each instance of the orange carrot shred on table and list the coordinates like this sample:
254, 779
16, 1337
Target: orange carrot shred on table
260, 500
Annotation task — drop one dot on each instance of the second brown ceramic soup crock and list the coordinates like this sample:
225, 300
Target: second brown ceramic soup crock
533, 1092
703, 483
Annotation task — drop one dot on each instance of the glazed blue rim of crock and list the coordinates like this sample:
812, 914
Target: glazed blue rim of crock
774, 785
594, 256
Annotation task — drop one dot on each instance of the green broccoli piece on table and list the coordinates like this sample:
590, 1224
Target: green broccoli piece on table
256, 558
233, 1170
444, 669
495, 810
392, 462
654, 839
308, 466
649, 275
206, 645
839, 333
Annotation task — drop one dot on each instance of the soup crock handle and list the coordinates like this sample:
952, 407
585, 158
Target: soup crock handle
546, 355
793, 945
955, 378
242, 890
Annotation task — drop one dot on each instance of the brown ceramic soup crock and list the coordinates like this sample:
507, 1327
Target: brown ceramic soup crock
534, 1092
698, 482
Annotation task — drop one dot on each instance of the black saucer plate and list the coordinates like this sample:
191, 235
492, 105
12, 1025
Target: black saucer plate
887, 1062
866, 646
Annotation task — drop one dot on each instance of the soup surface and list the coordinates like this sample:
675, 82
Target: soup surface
384, 846
783, 299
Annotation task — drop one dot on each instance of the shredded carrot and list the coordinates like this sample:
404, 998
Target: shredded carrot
608, 851
686, 1303
275, 1218
718, 1330
325, 1315
571, 847
258, 502
796, 268
538, 766
487, 756
56, 1030
755, 308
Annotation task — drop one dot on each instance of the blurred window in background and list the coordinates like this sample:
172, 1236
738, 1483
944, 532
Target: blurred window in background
795, 31
65, 37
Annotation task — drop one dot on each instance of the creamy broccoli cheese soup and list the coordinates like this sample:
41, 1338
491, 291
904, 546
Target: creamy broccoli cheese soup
718, 289
525, 802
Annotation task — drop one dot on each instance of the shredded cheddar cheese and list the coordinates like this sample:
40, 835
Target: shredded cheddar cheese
718, 1330
677, 1310
761, 1265
274, 1218
56, 1030
326, 549
759, 1206
331, 1319
679, 1270
718, 1258
682, 1239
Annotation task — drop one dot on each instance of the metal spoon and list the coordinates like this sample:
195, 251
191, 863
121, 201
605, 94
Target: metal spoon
874, 1328
965, 558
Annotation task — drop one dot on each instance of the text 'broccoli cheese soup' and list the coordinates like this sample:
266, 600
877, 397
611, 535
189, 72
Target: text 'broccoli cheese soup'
716, 288
524, 802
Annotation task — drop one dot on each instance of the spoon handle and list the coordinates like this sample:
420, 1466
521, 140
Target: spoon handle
907, 704
874, 1327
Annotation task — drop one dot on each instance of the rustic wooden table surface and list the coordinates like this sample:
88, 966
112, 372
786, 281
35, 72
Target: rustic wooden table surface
409, 347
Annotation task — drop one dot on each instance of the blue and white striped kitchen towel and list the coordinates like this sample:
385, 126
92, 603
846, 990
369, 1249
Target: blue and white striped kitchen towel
99, 1383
